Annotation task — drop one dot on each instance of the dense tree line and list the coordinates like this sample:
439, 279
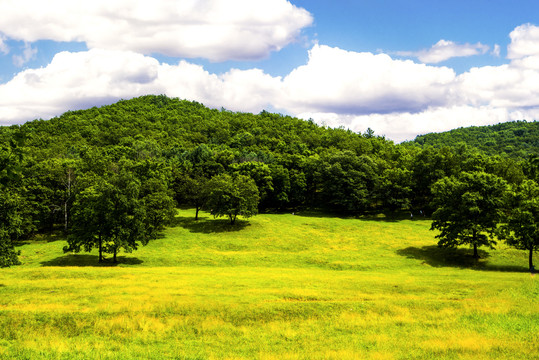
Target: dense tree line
518, 139
111, 176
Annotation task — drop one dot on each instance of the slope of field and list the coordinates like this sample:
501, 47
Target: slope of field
283, 286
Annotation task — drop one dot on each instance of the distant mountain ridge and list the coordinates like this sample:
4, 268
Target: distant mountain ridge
517, 139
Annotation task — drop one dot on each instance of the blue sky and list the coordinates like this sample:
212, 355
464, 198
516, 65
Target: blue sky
403, 68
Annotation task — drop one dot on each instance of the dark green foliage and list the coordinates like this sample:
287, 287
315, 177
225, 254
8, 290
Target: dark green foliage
468, 209
518, 139
280, 193
396, 189
232, 196
190, 189
521, 229
259, 172
531, 167
10, 226
346, 182
121, 208
431, 164
14, 208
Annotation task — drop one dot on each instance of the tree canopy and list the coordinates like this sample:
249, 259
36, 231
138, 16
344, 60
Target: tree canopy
468, 209
119, 210
232, 196
518, 139
521, 229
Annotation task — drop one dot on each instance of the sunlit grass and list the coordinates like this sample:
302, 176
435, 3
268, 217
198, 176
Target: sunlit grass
276, 287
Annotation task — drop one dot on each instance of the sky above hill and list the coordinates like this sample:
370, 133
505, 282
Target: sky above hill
400, 67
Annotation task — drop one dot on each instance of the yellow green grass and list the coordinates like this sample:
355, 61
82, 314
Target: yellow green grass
276, 287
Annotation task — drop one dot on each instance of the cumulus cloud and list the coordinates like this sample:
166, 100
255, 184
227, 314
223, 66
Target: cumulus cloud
75, 81
214, 29
524, 42
96, 77
508, 86
238, 90
444, 50
340, 81
406, 126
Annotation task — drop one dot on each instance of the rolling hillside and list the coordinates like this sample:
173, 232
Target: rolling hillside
518, 139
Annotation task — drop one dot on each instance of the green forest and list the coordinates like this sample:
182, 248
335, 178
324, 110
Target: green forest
518, 139
112, 177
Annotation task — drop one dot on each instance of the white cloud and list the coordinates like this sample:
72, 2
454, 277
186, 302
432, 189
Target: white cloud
28, 54
76, 81
214, 29
513, 86
96, 77
336, 80
345, 89
444, 50
524, 42
401, 126
237, 90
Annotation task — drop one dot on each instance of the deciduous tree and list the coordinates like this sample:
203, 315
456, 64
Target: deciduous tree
233, 196
13, 222
468, 209
118, 210
521, 228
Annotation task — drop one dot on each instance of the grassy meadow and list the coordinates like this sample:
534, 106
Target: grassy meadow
278, 286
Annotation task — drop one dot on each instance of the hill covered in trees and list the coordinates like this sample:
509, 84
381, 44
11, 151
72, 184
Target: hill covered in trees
518, 139
127, 165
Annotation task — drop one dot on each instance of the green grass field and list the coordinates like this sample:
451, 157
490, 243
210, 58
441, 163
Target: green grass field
276, 287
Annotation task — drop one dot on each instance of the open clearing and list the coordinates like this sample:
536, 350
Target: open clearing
301, 286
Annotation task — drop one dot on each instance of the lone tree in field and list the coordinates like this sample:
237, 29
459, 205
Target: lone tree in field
521, 230
232, 196
468, 209
115, 212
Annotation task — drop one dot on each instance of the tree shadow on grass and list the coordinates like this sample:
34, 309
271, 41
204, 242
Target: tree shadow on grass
460, 258
313, 213
388, 217
202, 225
89, 260
47, 237
51, 237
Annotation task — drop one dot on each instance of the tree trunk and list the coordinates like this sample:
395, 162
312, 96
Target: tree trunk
475, 253
196, 214
114, 256
531, 261
100, 249
68, 185
65, 215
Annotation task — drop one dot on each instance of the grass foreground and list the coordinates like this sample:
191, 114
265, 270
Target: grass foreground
282, 286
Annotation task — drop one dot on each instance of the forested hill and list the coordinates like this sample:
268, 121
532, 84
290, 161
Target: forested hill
518, 139
165, 125
293, 161
122, 168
